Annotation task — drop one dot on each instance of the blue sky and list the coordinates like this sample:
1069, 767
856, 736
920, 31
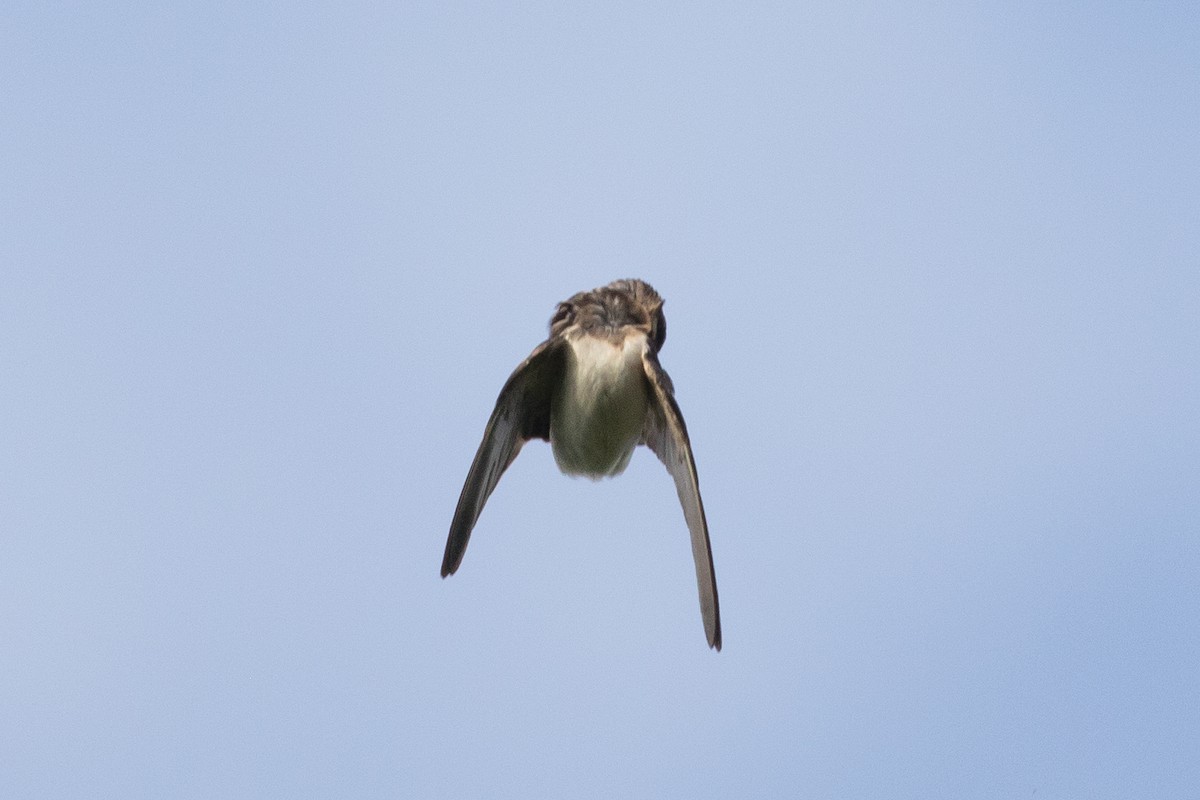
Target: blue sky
932, 290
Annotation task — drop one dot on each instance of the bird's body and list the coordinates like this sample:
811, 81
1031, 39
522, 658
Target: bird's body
596, 416
594, 390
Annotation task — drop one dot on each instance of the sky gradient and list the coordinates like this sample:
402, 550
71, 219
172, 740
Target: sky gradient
932, 293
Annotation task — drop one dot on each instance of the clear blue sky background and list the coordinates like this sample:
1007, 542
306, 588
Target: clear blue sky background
933, 292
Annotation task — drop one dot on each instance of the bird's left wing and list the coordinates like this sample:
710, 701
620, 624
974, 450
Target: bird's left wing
665, 434
522, 413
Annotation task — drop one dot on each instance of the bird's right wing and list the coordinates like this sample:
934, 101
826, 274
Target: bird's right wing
522, 413
666, 434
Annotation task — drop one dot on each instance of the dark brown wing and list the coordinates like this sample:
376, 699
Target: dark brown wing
665, 434
522, 413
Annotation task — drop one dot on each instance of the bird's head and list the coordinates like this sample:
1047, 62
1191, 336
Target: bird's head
610, 309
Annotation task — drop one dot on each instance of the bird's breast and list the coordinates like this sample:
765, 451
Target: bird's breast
597, 413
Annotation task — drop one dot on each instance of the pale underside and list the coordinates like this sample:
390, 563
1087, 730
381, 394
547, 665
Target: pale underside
600, 407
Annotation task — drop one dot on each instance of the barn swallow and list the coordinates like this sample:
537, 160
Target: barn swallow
595, 390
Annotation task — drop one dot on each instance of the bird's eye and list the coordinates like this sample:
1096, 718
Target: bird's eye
658, 329
562, 315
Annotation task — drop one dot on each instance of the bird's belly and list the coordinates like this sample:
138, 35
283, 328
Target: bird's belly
597, 414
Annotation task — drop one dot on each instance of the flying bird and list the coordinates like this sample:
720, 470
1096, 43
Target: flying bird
594, 390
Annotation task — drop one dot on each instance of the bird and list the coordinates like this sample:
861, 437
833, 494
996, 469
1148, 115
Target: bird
595, 390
